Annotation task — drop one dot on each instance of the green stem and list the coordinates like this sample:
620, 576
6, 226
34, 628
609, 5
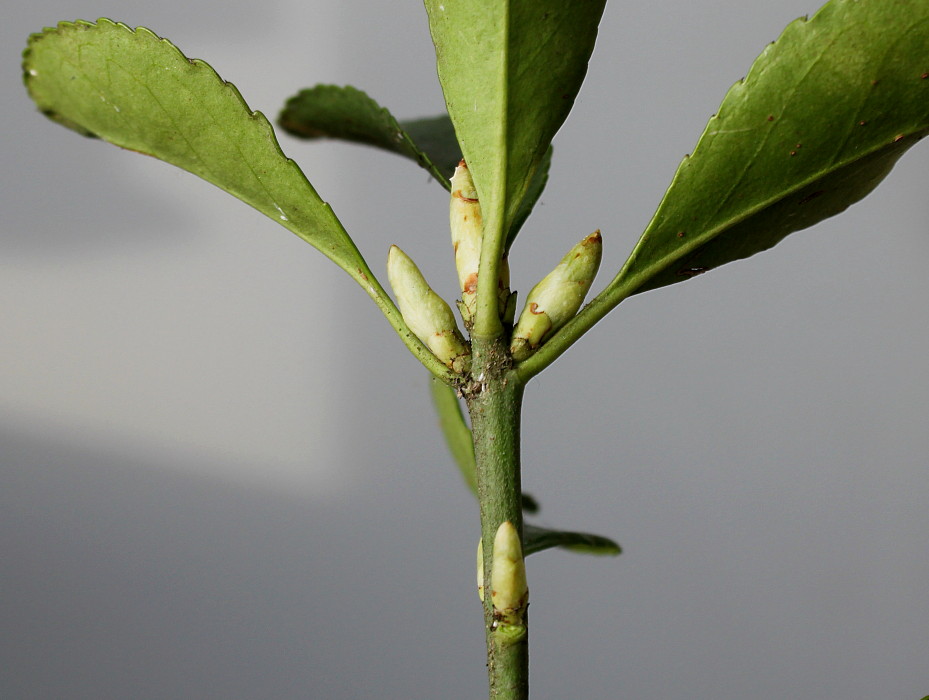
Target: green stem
494, 403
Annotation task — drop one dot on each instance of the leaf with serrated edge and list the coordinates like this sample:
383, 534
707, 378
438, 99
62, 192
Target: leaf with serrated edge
139, 92
346, 113
538, 539
510, 72
819, 121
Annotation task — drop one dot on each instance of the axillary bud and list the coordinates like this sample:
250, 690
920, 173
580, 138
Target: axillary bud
556, 299
509, 591
480, 569
426, 313
467, 227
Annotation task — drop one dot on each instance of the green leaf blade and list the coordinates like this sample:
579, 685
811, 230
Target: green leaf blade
538, 539
818, 122
346, 113
510, 71
139, 92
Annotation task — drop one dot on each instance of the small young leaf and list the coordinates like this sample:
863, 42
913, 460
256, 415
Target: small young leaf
330, 111
819, 121
510, 70
537, 539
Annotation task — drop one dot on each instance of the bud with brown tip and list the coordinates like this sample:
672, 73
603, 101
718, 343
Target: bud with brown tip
556, 299
467, 226
426, 313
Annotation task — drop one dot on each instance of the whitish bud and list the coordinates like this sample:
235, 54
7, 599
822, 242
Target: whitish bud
480, 569
426, 313
467, 226
556, 299
509, 591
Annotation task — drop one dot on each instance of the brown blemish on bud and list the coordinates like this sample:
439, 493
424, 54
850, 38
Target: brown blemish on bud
470, 284
457, 194
534, 309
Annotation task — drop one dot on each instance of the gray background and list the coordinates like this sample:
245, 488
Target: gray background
219, 472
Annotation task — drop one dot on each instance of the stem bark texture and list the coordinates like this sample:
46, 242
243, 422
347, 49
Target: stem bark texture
494, 404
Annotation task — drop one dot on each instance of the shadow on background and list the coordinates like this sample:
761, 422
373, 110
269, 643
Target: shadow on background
125, 579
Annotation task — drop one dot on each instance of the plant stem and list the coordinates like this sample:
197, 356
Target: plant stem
494, 403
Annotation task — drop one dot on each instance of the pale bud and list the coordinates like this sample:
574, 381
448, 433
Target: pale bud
556, 299
467, 226
509, 591
426, 313
480, 569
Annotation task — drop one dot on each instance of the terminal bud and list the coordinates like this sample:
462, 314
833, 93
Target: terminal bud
467, 227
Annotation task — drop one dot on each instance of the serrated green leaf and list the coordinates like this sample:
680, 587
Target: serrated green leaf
510, 70
139, 92
537, 539
346, 113
330, 111
819, 121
